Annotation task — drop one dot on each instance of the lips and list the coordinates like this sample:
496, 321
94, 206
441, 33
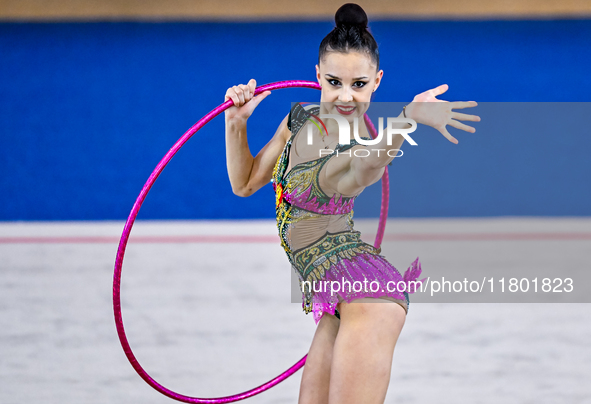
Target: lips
345, 110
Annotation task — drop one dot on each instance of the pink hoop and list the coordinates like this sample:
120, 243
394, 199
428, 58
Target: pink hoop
131, 219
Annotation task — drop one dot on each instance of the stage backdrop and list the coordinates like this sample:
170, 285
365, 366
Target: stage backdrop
88, 110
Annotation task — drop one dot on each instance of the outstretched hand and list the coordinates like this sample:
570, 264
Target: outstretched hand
428, 110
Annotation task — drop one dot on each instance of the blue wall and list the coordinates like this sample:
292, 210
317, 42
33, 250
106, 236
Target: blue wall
88, 110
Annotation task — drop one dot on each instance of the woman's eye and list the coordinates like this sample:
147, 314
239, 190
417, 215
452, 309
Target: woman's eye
357, 84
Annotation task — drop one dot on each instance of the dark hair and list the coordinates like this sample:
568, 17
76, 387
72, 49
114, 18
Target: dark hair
350, 33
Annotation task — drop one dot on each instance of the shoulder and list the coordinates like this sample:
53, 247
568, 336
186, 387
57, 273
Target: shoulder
299, 114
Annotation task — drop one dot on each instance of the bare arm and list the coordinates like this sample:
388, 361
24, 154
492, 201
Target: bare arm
248, 174
352, 174
425, 109
368, 170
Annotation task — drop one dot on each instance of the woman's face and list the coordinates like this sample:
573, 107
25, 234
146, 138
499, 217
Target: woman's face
348, 81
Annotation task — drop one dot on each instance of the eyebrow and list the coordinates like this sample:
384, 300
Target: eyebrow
335, 77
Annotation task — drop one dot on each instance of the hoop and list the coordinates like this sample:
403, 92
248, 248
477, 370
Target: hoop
131, 219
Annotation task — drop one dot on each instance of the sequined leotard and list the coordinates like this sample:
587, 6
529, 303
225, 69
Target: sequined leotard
318, 237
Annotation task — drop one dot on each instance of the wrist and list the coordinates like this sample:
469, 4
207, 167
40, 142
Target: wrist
236, 121
408, 111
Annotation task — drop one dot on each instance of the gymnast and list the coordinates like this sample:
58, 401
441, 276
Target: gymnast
316, 179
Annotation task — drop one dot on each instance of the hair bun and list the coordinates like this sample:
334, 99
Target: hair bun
351, 14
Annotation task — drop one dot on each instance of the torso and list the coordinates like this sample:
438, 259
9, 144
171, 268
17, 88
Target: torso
315, 228
307, 208
333, 170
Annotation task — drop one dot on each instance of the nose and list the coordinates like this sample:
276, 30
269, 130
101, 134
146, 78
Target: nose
345, 95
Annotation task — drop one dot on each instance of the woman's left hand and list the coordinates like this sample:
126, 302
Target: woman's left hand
428, 110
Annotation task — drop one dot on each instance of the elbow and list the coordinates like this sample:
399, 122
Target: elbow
370, 175
243, 192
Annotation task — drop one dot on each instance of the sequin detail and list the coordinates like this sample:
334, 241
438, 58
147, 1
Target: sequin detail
333, 256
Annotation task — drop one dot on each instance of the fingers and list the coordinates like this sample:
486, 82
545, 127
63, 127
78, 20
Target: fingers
252, 85
239, 89
459, 125
465, 117
449, 137
256, 100
231, 95
463, 104
236, 94
439, 90
242, 93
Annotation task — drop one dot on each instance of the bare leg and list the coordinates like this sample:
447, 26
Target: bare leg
316, 375
363, 351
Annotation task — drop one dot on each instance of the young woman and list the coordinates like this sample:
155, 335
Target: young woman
316, 180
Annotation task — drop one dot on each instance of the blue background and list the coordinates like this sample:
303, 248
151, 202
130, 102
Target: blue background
89, 109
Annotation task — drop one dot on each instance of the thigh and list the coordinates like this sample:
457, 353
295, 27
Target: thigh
363, 350
316, 374
373, 319
401, 302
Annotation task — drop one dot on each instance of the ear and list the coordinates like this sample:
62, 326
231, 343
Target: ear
378, 79
318, 74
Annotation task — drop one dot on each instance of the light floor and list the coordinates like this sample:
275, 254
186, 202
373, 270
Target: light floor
213, 317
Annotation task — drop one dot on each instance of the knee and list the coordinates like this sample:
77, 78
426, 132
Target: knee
371, 331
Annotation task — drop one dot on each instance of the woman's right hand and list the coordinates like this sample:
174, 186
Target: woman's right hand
244, 100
